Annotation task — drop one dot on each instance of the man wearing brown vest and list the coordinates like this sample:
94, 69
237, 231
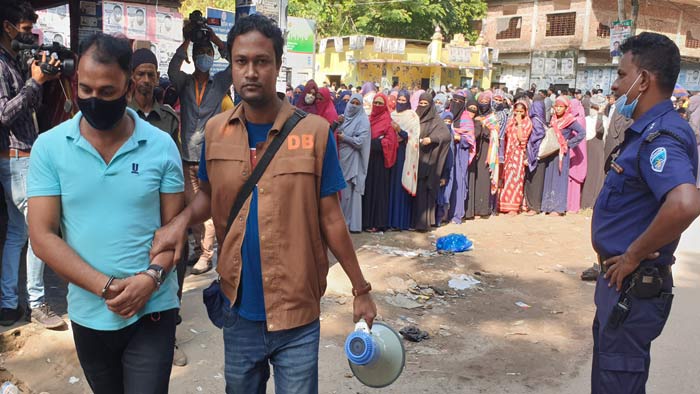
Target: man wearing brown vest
273, 262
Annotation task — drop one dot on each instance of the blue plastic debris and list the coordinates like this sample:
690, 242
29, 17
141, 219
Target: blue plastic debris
454, 243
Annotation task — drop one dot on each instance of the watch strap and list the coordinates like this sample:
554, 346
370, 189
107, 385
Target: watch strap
153, 276
363, 290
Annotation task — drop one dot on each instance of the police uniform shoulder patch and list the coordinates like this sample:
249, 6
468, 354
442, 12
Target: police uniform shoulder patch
658, 159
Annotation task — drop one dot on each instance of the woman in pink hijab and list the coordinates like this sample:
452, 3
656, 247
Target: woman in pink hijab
578, 166
309, 97
325, 106
415, 98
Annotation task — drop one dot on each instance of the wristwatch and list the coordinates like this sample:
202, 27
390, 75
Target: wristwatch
158, 272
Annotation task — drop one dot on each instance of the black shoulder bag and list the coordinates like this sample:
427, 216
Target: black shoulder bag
214, 299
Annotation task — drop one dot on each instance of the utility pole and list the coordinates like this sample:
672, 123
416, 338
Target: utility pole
622, 13
635, 14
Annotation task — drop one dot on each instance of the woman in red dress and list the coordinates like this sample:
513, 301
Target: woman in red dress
517, 134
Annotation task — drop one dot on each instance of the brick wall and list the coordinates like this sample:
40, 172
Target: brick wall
657, 16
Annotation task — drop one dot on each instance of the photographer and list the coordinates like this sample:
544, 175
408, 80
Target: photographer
19, 97
200, 99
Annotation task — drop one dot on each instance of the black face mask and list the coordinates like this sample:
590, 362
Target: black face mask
484, 108
499, 107
456, 107
101, 114
26, 38
400, 107
421, 111
23, 37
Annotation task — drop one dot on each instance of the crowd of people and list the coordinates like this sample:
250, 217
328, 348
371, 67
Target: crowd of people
417, 159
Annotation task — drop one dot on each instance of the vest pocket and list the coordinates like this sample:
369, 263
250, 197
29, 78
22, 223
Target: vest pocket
220, 151
294, 165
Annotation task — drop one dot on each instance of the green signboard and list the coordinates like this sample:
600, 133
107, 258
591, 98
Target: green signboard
301, 35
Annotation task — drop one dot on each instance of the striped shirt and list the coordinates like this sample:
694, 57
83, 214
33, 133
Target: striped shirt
18, 98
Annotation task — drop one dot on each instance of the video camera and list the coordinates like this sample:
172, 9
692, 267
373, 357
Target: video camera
199, 34
67, 58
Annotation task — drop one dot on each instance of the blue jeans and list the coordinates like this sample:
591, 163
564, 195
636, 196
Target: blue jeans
249, 349
13, 175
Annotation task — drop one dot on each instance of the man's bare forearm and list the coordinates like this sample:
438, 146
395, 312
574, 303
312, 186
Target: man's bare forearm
56, 253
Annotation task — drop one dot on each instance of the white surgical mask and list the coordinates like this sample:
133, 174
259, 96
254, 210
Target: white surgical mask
309, 99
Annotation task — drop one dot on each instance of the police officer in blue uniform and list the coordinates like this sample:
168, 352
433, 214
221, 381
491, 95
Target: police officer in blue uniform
648, 200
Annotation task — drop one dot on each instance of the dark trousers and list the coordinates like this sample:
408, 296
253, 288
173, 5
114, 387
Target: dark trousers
621, 355
181, 269
136, 359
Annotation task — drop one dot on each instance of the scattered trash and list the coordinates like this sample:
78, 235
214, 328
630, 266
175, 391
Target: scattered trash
438, 290
73, 380
200, 389
402, 301
556, 312
218, 376
349, 375
518, 323
393, 251
428, 292
48, 360
9, 388
513, 373
522, 305
414, 334
462, 282
454, 243
193, 331
539, 254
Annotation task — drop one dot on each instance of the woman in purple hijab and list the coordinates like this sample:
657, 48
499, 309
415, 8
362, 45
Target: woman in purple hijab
534, 176
368, 87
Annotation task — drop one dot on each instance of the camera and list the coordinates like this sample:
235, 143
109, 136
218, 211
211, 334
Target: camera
199, 34
67, 58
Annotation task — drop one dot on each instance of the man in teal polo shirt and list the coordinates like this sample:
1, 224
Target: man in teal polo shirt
108, 179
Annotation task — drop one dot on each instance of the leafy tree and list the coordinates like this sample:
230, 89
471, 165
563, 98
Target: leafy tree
401, 19
188, 6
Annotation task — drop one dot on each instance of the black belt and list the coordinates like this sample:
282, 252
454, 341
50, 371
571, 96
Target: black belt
664, 269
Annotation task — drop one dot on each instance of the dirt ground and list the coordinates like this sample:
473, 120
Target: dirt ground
480, 340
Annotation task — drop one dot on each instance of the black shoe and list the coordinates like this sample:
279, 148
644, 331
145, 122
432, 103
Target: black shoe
590, 274
9, 316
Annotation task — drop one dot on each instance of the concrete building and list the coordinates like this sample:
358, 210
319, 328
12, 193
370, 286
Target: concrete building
567, 42
410, 63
